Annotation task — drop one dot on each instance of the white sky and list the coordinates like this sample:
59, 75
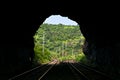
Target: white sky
57, 19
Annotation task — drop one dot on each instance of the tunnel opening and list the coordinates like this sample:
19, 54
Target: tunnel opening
100, 30
45, 44
59, 38
63, 43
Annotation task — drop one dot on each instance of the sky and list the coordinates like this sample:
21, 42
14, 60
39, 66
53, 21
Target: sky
57, 19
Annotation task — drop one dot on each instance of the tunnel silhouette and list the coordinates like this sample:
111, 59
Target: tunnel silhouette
20, 24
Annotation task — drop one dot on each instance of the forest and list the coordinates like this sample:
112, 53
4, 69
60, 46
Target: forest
58, 42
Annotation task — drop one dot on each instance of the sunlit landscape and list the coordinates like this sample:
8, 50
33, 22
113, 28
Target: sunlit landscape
58, 42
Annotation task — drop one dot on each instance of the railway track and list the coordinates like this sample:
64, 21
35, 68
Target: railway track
62, 71
90, 73
33, 74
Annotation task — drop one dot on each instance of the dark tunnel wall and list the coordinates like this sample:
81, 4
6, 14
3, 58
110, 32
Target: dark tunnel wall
19, 24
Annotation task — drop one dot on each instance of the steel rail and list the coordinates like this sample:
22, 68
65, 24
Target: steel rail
28, 71
82, 74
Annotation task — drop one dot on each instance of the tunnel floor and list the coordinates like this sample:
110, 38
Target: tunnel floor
62, 71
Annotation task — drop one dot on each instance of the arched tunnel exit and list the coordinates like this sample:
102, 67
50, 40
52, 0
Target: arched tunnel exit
58, 55
59, 38
100, 30
93, 49
58, 48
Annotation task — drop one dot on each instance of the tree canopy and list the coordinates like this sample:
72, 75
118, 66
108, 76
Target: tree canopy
58, 40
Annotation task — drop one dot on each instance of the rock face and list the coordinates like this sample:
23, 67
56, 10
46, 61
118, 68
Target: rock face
20, 22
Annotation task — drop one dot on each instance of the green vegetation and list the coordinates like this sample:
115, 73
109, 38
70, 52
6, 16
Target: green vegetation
60, 42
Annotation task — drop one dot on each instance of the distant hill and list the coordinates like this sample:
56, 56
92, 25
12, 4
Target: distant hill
57, 37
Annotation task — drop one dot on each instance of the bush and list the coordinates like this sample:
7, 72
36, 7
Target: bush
41, 57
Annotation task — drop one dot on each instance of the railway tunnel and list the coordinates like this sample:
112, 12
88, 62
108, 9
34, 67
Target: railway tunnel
19, 24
